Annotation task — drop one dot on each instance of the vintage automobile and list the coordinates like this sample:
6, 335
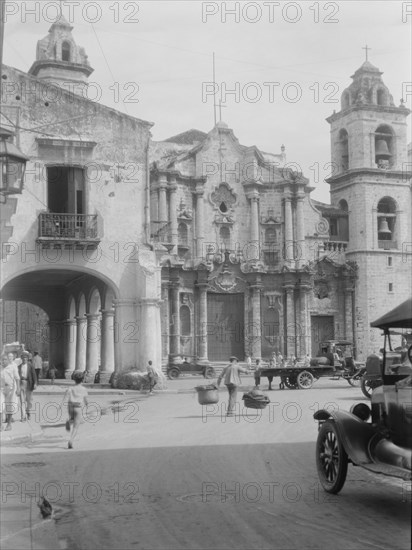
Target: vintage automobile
192, 366
345, 367
378, 438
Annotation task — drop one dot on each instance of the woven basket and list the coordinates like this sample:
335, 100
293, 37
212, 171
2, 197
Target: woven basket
207, 395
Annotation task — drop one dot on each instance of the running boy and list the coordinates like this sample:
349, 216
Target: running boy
77, 397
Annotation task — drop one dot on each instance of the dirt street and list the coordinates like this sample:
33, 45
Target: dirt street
162, 472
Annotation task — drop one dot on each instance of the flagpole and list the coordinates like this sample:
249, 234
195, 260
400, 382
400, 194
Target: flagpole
214, 89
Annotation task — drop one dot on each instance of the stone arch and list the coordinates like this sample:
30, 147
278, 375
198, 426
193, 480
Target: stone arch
94, 302
81, 305
71, 307
386, 213
384, 146
66, 50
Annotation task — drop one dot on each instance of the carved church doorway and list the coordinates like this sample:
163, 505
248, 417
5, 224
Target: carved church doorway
323, 328
225, 321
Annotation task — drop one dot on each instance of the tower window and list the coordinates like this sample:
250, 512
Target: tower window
384, 147
182, 234
343, 145
224, 234
389, 261
66, 51
381, 97
390, 287
386, 222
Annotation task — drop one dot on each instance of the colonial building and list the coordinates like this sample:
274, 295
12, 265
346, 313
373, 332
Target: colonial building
76, 241
254, 265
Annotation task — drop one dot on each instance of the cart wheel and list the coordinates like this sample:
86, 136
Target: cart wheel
367, 386
173, 373
209, 372
305, 380
290, 382
331, 458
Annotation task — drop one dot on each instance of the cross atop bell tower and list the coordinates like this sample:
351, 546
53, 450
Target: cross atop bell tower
59, 59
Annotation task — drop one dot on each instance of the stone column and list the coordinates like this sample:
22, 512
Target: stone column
199, 222
348, 291
173, 214
174, 321
165, 321
163, 199
304, 332
107, 346
288, 232
81, 335
202, 351
300, 233
92, 345
256, 333
290, 321
127, 334
70, 348
150, 348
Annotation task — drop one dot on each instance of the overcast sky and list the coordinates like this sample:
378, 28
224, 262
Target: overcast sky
160, 53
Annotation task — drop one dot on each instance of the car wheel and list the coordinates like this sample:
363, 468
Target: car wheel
173, 374
305, 380
331, 458
355, 382
367, 386
209, 372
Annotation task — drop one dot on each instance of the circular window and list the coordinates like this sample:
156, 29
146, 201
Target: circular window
223, 207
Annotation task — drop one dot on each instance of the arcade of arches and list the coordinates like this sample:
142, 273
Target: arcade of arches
81, 311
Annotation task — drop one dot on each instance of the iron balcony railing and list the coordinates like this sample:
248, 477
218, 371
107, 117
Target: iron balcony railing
68, 226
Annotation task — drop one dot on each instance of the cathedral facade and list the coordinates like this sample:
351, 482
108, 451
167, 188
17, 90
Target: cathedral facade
252, 265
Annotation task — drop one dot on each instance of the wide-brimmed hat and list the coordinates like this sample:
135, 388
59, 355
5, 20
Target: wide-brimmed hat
25, 354
233, 358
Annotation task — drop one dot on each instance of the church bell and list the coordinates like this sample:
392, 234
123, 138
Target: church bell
384, 227
382, 150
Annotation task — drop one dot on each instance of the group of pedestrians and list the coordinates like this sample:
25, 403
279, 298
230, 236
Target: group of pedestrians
17, 382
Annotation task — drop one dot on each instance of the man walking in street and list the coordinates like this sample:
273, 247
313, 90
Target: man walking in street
231, 376
37, 364
28, 383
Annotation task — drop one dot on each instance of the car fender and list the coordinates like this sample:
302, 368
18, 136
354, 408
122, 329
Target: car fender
355, 434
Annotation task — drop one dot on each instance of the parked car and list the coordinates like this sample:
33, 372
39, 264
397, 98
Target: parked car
189, 366
378, 438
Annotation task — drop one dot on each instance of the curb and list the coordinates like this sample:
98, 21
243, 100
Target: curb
20, 438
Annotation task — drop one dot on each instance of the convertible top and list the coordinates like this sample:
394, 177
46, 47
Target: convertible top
399, 317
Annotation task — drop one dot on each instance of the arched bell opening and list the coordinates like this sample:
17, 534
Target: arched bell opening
343, 150
386, 223
384, 147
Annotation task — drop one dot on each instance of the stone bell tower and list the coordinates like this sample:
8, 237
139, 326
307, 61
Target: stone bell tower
371, 181
60, 60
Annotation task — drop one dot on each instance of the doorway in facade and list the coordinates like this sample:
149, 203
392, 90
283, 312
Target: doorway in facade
225, 320
323, 328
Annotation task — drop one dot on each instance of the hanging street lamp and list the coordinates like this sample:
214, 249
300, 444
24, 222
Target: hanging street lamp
12, 165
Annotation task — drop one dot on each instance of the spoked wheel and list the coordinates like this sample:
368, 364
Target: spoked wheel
173, 373
368, 386
331, 458
305, 380
290, 382
353, 381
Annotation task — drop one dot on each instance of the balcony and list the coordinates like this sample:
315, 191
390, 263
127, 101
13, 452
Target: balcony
335, 246
68, 231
